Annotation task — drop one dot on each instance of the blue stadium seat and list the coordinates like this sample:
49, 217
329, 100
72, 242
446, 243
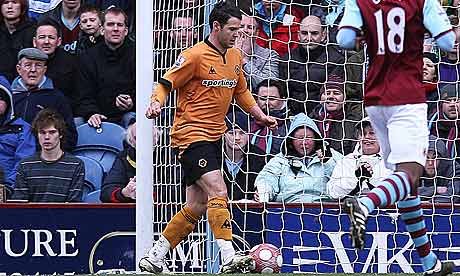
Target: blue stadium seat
108, 137
101, 144
93, 197
104, 157
94, 175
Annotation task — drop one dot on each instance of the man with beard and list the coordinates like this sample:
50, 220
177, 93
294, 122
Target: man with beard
271, 98
443, 123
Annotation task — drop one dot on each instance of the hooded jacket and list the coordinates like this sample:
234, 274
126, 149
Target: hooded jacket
447, 176
28, 103
287, 178
16, 138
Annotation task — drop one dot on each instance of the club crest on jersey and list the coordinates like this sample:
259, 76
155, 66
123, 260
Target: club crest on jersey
219, 83
237, 69
202, 163
179, 61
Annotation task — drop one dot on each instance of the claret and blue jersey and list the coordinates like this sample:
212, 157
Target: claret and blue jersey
394, 32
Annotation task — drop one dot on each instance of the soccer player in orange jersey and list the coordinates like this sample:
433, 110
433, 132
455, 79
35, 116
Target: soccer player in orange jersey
207, 77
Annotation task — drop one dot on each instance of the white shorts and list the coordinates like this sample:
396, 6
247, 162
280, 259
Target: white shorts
402, 132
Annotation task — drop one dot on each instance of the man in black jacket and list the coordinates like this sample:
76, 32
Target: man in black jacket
307, 66
62, 67
108, 76
242, 161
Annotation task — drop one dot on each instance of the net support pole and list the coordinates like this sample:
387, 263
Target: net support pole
144, 139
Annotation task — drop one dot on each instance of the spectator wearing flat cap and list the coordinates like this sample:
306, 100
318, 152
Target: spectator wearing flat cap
444, 121
33, 92
335, 117
430, 79
242, 161
358, 172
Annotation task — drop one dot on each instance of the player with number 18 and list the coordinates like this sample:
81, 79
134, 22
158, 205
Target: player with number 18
396, 105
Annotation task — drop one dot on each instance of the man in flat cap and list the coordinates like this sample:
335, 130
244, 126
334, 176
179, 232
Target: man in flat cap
33, 91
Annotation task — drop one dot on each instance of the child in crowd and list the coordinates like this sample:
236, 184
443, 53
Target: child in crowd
90, 28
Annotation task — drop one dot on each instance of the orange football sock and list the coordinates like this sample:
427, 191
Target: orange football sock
219, 218
180, 226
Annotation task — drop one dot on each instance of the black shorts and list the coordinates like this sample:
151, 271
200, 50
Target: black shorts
200, 158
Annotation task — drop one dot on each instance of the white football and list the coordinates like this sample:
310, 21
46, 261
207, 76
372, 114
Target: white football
267, 258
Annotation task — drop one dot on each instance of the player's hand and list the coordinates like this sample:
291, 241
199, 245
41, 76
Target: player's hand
153, 110
269, 121
96, 120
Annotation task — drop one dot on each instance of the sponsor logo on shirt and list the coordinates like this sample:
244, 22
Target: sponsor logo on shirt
219, 83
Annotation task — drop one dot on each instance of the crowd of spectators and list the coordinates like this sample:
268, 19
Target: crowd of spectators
72, 62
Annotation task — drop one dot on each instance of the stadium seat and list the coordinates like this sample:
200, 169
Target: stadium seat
93, 197
94, 174
103, 157
108, 137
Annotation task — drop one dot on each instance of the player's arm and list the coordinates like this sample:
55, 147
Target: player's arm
245, 99
437, 23
177, 76
350, 25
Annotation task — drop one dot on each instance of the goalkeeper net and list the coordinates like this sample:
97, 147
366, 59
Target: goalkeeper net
311, 235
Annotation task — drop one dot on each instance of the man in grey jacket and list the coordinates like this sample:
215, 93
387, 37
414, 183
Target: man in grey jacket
258, 63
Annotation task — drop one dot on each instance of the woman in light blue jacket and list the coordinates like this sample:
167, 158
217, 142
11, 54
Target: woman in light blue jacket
300, 172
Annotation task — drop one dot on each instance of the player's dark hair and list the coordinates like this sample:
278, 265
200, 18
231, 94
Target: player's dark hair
222, 12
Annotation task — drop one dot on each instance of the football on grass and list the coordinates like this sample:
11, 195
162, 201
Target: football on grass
267, 258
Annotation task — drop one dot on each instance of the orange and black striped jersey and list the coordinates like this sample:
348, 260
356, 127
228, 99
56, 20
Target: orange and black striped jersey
206, 81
